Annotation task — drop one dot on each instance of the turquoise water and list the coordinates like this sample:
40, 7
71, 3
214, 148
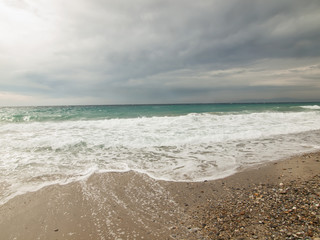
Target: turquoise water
70, 113
40, 146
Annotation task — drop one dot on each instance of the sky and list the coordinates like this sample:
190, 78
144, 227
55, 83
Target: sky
57, 52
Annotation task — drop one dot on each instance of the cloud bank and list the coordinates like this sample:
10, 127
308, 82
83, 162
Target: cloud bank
123, 52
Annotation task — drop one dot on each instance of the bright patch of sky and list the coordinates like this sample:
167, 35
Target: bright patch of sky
56, 52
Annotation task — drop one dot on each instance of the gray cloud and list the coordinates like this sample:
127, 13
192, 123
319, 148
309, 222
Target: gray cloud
160, 51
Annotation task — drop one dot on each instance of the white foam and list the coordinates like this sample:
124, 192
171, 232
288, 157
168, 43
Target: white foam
314, 107
182, 148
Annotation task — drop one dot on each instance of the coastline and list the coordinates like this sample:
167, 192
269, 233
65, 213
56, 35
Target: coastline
251, 204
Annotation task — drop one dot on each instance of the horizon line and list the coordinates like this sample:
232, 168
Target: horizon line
164, 104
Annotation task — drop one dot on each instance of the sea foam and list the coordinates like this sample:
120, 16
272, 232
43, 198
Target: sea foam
191, 147
314, 107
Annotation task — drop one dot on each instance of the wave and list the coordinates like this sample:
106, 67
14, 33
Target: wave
189, 147
160, 131
313, 107
88, 113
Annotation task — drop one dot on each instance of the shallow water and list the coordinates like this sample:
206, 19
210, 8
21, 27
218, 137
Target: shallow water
47, 145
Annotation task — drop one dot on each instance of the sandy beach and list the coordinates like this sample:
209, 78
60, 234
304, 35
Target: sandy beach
278, 200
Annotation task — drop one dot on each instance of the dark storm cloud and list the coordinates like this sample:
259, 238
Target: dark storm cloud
167, 51
219, 33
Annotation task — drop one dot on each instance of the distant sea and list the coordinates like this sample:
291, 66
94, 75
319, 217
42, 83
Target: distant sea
40, 146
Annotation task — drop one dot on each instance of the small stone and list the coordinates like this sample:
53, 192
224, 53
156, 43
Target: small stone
310, 233
282, 191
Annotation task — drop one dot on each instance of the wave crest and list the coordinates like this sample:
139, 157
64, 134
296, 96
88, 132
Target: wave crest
314, 107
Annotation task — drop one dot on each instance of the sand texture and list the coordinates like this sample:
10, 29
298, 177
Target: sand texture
276, 201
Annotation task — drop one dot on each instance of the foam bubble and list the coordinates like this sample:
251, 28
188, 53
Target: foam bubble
180, 148
314, 107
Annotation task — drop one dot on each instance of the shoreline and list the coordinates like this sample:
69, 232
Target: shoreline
132, 205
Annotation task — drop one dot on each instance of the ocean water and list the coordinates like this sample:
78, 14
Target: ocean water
40, 146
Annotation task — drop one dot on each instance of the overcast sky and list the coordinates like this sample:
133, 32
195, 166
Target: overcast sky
55, 52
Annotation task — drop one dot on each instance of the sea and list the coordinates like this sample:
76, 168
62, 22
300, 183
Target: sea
41, 146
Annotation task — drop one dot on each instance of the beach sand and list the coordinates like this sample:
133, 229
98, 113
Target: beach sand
278, 200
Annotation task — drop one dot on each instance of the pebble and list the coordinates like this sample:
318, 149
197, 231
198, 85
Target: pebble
265, 211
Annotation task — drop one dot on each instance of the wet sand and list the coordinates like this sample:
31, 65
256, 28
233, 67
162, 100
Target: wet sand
279, 200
